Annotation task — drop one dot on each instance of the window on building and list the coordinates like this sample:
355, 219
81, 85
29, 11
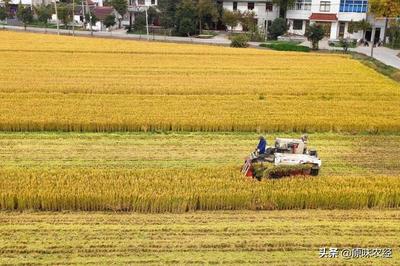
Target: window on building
141, 2
356, 6
250, 5
325, 6
297, 24
269, 7
153, 2
302, 5
235, 6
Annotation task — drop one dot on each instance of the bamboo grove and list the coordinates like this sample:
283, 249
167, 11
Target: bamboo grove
59, 83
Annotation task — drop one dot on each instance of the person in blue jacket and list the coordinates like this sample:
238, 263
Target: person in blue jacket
261, 145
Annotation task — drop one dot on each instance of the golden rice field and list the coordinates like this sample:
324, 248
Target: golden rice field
181, 190
230, 238
128, 152
60, 83
180, 172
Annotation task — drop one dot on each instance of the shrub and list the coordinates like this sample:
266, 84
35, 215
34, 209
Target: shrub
109, 21
239, 41
277, 28
286, 46
257, 36
394, 36
346, 43
140, 22
315, 33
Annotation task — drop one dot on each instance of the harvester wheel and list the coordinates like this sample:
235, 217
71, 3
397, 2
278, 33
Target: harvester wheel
314, 171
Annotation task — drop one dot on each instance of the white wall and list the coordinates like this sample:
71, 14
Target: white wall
379, 23
298, 14
259, 9
334, 9
24, 2
146, 2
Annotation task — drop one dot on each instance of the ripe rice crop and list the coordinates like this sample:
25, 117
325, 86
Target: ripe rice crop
81, 84
180, 190
196, 238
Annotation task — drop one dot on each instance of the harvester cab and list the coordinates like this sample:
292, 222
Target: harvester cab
287, 157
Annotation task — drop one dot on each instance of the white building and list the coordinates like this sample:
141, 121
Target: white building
265, 11
143, 2
334, 15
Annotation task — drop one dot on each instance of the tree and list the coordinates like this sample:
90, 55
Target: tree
345, 43
248, 20
109, 21
7, 7
240, 41
64, 14
152, 14
385, 8
315, 33
3, 13
44, 13
284, 6
206, 9
91, 18
394, 35
185, 16
24, 14
168, 11
362, 25
277, 28
140, 21
230, 18
122, 7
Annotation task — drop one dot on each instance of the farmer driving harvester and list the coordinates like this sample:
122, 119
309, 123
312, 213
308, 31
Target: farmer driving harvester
286, 158
261, 145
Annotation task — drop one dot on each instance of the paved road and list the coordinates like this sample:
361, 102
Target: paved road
121, 34
385, 55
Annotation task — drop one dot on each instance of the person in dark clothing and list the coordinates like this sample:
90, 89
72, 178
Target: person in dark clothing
261, 145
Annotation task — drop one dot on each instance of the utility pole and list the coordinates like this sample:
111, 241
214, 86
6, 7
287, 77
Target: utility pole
140, 9
373, 40
73, 17
266, 26
130, 14
83, 13
58, 22
147, 24
90, 18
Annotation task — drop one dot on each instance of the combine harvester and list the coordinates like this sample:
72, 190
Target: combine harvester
288, 157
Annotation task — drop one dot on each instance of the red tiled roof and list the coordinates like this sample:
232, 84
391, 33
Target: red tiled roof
323, 17
101, 12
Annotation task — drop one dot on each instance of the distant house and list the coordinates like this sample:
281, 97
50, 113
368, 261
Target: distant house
14, 5
334, 15
265, 11
143, 2
101, 12
96, 9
